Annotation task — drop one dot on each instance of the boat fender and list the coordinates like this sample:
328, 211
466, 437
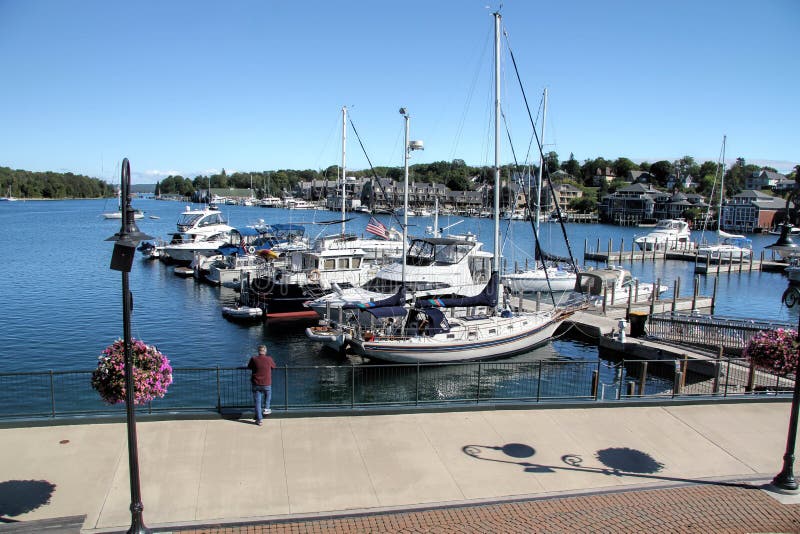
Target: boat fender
369, 336
314, 275
251, 249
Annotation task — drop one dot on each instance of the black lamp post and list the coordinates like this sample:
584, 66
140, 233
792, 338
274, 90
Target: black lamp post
125, 242
785, 479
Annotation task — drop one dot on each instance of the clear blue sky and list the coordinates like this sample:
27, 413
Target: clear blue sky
194, 87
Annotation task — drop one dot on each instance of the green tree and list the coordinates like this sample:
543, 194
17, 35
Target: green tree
571, 166
583, 205
622, 166
661, 170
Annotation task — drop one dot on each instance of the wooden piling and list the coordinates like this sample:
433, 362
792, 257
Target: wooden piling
714, 296
643, 379
595, 383
695, 291
674, 295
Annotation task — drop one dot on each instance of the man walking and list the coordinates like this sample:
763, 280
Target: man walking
261, 367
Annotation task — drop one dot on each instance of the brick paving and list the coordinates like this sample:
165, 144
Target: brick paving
718, 508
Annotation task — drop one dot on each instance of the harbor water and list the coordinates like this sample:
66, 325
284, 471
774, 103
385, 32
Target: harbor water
62, 304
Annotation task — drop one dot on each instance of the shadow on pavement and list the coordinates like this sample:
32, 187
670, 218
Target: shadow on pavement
18, 497
615, 461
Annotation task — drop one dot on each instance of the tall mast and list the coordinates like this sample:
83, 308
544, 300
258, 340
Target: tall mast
344, 164
405, 193
497, 142
721, 185
541, 165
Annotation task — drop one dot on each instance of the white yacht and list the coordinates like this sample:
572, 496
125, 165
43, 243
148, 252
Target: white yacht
200, 231
668, 234
616, 285
435, 266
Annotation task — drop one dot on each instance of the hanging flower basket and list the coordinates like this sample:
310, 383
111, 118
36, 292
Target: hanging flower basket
152, 373
774, 351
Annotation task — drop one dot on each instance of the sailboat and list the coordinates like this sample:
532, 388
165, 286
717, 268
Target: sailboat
9, 198
137, 214
459, 329
553, 277
729, 247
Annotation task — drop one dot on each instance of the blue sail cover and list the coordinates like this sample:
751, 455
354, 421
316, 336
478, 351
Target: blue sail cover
398, 299
388, 311
487, 297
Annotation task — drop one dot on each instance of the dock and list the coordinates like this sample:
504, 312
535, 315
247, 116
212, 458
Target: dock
704, 264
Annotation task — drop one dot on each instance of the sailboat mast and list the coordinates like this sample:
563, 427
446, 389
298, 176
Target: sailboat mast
721, 184
497, 142
541, 164
344, 164
405, 194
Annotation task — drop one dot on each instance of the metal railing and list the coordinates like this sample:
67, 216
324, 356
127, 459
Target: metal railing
708, 331
359, 387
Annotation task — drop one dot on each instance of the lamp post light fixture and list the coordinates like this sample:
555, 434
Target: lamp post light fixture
125, 242
785, 479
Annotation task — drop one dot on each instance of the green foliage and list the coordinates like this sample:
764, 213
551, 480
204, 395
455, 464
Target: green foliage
52, 185
661, 171
583, 205
571, 166
622, 166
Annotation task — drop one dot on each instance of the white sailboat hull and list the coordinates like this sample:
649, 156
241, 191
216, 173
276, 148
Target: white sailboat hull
535, 280
475, 340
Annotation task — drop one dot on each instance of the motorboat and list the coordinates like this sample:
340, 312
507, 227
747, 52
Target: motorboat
668, 234
199, 232
615, 285
375, 248
234, 268
257, 237
454, 265
184, 247
242, 313
306, 276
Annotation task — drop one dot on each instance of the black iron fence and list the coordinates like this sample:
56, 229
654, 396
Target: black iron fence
358, 387
708, 331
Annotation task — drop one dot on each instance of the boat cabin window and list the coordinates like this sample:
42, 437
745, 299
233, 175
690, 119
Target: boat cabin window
355, 263
188, 220
330, 264
423, 252
343, 263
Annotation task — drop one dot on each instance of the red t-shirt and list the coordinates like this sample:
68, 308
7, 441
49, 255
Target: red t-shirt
261, 366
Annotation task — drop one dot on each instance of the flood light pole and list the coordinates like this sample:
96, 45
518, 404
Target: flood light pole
125, 242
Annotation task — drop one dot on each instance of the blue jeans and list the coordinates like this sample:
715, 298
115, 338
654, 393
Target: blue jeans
258, 391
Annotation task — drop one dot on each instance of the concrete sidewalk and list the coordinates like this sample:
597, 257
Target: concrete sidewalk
215, 471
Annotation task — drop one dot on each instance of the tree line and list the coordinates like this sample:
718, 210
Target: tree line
459, 176
52, 185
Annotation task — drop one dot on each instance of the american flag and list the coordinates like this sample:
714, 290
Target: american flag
374, 226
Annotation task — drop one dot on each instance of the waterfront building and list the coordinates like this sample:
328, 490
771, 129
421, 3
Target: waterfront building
751, 211
763, 179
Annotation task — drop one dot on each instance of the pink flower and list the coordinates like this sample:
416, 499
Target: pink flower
109, 377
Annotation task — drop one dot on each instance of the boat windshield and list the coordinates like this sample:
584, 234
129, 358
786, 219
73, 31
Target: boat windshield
423, 252
382, 285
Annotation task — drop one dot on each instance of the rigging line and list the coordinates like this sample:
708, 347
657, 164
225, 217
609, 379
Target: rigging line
471, 93
327, 142
530, 211
541, 153
375, 174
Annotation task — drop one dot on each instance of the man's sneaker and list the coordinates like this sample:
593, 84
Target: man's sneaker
267, 411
